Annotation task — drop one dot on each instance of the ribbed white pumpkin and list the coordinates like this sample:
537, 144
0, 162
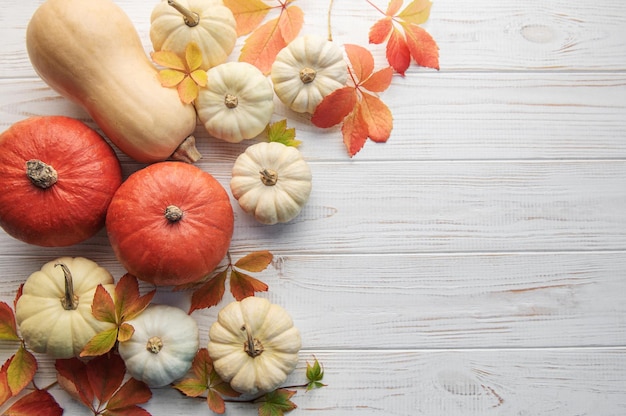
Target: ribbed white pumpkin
215, 31
271, 181
237, 103
162, 347
254, 345
306, 71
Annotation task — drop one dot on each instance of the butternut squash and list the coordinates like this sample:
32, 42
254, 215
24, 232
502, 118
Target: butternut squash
90, 52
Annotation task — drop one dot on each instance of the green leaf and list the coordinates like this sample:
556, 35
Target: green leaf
101, 343
278, 132
314, 373
8, 327
21, 370
277, 403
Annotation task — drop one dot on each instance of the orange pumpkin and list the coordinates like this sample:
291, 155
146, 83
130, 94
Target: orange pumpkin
170, 223
57, 177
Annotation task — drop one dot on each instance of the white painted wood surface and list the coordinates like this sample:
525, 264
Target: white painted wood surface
473, 265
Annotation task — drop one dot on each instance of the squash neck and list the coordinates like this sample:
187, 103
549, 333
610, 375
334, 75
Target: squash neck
69, 299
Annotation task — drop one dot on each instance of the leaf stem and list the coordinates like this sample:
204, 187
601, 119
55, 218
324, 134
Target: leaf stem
376, 7
330, 31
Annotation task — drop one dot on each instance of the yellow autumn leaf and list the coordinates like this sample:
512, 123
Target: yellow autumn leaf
200, 77
169, 59
193, 56
188, 90
170, 77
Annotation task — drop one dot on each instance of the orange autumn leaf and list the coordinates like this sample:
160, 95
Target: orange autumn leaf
263, 44
405, 39
362, 112
21, 370
38, 402
248, 14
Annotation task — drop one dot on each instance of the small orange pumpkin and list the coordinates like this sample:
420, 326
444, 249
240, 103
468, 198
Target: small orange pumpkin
170, 223
57, 177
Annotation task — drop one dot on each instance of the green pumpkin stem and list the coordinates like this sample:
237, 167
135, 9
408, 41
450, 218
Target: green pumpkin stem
69, 299
191, 18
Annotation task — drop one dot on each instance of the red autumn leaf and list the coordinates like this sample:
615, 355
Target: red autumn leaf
354, 131
39, 402
8, 327
128, 302
103, 307
5, 390
18, 295
248, 14
379, 81
105, 374
255, 262
263, 44
126, 399
210, 293
410, 42
243, 285
361, 61
377, 117
334, 107
423, 47
21, 370
72, 377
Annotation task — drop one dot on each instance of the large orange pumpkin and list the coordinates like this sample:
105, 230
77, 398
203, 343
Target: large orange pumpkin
170, 223
57, 178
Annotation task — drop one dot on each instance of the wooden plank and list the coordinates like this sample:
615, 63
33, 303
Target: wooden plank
549, 382
439, 301
470, 117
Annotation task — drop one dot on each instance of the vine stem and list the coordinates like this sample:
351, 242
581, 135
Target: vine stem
330, 30
376, 7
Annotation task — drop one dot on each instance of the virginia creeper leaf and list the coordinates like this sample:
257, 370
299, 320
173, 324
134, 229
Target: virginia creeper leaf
105, 374
72, 377
102, 306
210, 293
248, 14
278, 132
127, 411
354, 131
168, 59
380, 31
132, 393
18, 295
277, 403
379, 81
256, 261
125, 332
290, 22
101, 343
8, 327
377, 117
215, 402
416, 12
21, 370
334, 107
397, 52
188, 90
128, 301
423, 47
243, 285
361, 60
5, 390
38, 402
170, 77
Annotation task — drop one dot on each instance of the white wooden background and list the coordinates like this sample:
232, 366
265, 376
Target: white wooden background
473, 265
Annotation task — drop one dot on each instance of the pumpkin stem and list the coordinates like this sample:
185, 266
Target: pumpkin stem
173, 213
269, 177
154, 345
191, 18
307, 75
252, 346
231, 101
69, 299
187, 151
41, 174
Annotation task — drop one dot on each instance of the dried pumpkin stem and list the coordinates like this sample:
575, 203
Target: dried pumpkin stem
173, 213
307, 75
269, 177
231, 101
187, 151
191, 18
69, 299
41, 174
252, 346
154, 345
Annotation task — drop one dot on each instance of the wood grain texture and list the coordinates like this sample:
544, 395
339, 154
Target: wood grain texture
473, 265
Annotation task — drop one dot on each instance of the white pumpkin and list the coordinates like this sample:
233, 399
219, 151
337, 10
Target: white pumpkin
271, 181
162, 348
54, 312
208, 23
306, 71
254, 345
237, 103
